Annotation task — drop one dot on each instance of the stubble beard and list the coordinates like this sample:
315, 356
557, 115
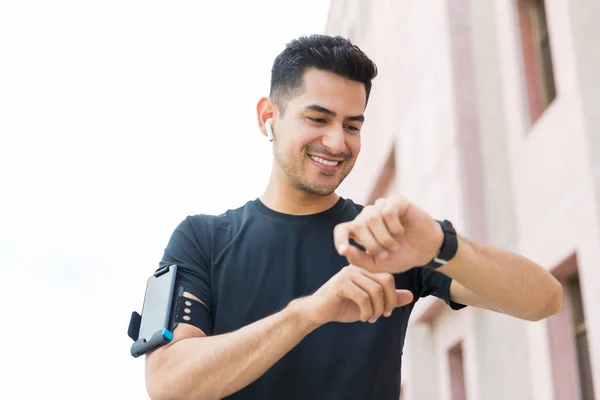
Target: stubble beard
297, 177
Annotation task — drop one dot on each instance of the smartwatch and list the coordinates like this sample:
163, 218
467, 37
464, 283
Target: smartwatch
449, 246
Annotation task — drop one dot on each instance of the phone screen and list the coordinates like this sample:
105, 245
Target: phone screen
157, 302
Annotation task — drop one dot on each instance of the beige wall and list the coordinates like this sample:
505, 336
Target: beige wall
538, 185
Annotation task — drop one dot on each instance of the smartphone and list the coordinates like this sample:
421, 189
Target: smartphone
156, 312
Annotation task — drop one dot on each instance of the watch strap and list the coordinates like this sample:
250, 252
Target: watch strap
449, 246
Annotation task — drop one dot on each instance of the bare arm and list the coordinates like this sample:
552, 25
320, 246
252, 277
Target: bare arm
398, 235
502, 281
194, 366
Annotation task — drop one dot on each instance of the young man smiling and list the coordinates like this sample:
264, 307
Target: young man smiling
307, 295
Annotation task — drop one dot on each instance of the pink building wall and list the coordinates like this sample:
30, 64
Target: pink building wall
451, 102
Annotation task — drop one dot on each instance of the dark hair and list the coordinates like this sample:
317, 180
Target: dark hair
329, 53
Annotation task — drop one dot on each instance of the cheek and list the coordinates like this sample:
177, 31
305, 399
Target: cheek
311, 138
292, 151
297, 138
354, 145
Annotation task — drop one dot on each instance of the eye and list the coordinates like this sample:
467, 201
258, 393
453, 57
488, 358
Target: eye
318, 120
352, 128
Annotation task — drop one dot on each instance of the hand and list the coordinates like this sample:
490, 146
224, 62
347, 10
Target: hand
396, 234
354, 294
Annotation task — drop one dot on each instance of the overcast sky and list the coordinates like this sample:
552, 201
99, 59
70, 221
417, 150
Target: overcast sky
117, 120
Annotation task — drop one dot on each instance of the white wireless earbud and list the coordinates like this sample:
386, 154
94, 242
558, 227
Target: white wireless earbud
269, 129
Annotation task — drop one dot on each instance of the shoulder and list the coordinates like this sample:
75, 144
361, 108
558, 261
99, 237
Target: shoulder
212, 224
354, 206
350, 209
197, 235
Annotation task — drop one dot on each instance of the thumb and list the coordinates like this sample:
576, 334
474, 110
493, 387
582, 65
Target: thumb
356, 256
403, 297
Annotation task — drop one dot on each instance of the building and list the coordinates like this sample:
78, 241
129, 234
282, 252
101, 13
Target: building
487, 113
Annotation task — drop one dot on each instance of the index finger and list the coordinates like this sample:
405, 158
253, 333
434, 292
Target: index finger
341, 237
388, 283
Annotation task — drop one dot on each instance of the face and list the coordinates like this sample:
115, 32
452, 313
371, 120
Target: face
317, 140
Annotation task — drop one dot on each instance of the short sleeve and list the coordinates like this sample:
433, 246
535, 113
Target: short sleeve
186, 249
431, 282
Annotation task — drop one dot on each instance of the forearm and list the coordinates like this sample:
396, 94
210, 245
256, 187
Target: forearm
216, 366
508, 282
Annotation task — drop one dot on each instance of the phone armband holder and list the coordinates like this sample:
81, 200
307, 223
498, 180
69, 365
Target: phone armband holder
161, 315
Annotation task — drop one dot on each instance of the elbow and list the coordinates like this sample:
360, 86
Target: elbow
157, 379
156, 392
554, 303
555, 299
159, 388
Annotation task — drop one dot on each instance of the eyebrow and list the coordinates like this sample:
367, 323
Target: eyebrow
321, 109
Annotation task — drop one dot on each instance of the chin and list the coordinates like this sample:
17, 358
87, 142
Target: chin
319, 189
320, 193
324, 192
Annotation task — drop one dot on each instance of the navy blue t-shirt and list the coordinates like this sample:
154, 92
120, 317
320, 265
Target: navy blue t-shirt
249, 263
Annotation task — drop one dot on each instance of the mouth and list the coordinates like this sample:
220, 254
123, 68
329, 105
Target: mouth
330, 163
326, 165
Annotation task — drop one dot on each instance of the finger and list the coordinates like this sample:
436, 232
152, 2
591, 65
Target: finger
379, 203
388, 284
391, 217
403, 297
364, 236
359, 297
359, 258
375, 291
341, 237
382, 234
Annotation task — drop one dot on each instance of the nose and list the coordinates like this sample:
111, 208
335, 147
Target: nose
335, 140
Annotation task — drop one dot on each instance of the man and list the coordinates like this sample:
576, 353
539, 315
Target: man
308, 295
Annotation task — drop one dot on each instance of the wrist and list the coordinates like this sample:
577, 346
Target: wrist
438, 239
446, 240
457, 263
302, 311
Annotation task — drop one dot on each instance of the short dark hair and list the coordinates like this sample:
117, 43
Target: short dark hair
329, 53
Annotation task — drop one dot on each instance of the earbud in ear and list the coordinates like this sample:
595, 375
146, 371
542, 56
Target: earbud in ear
269, 129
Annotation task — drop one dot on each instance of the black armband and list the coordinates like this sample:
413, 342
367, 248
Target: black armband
190, 311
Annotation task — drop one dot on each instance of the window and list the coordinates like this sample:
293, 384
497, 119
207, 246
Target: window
580, 337
567, 334
537, 56
457, 373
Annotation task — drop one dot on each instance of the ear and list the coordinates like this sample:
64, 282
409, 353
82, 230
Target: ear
265, 109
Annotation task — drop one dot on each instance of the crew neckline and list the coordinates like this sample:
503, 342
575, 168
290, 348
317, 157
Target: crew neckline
331, 211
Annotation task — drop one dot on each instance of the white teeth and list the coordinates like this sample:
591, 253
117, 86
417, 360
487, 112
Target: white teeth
325, 162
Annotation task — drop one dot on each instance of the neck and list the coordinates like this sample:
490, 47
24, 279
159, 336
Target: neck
284, 198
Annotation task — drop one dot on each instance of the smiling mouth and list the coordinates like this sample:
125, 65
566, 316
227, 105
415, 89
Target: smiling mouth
323, 161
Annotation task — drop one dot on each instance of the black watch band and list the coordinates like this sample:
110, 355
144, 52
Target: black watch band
449, 246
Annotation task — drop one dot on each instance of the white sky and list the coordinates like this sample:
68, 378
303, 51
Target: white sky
117, 120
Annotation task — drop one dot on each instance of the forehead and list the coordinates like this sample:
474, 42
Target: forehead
336, 93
